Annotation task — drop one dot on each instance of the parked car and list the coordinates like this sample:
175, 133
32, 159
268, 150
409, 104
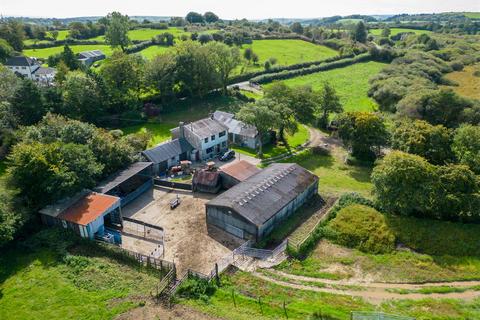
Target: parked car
230, 154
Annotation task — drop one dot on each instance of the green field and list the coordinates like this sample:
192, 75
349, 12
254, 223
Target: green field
472, 15
350, 82
153, 51
46, 52
147, 34
287, 52
160, 131
395, 31
44, 282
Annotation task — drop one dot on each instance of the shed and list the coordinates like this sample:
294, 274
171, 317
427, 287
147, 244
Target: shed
86, 213
168, 154
236, 172
89, 57
254, 207
130, 183
206, 181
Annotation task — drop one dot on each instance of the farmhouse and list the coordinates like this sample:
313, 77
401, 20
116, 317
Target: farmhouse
30, 68
89, 57
86, 214
254, 207
207, 136
239, 133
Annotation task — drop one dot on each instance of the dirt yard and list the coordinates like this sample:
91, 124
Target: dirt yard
187, 240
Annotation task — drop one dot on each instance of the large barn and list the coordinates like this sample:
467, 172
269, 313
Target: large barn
254, 207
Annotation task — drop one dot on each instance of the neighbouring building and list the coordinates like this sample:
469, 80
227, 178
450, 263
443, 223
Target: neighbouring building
254, 207
86, 213
30, 68
90, 57
168, 154
239, 133
208, 137
128, 184
237, 171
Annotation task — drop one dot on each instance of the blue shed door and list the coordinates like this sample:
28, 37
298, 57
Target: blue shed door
234, 230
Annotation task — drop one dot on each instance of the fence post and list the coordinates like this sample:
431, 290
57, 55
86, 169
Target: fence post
285, 309
233, 297
260, 303
217, 277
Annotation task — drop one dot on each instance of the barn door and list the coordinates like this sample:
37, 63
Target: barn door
234, 230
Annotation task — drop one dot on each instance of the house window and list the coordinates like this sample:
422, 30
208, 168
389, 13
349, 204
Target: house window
24, 68
210, 150
221, 134
212, 137
224, 144
206, 140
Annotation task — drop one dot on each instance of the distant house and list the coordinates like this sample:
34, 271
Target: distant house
87, 58
26, 67
253, 208
239, 133
208, 137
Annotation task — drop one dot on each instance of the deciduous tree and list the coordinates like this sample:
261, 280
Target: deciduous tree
466, 146
116, 33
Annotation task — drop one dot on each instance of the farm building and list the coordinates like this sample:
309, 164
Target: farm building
168, 154
130, 183
239, 133
87, 58
236, 172
254, 207
85, 213
206, 181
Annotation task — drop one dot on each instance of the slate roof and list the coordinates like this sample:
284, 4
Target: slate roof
167, 150
240, 170
235, 126
44, 71
261, 196
119, 177
206, 127
20, 61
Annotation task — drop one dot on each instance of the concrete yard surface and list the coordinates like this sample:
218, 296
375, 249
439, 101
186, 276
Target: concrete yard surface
187, 240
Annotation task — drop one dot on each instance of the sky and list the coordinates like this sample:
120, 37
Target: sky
231, 9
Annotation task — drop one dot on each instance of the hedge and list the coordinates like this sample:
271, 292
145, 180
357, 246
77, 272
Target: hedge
57, 43
283, 75
302, 65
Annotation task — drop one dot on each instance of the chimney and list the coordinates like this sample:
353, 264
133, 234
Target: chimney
211, 115
181, 132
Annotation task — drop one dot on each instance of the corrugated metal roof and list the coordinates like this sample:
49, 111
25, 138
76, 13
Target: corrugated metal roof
235, 126
206, 178
91, 54
261, 196
118, 178
240, 170
167, 150
88, 208
43, 70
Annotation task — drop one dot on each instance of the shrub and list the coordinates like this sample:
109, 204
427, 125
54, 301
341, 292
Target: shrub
364, 228
196, 288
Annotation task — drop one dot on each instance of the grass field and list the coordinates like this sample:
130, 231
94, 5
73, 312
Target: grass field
395, 31
46, 52
153, 51
160, 131
335, 176
287, 52
351, 84
44, 283
468, 83
472, 15
148, 34
238, 298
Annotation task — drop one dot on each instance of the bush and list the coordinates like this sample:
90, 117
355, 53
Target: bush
196, 288
364, 228
456, 66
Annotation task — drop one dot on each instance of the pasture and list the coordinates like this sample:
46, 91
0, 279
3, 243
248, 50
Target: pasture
351, 84
287, 52
472, 15
46, 52
395, 31
147, 34
153, 51
468, 84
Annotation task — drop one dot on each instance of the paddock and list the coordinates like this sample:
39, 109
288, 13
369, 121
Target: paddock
187, 240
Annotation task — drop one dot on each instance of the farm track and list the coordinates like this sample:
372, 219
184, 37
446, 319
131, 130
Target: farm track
374, 292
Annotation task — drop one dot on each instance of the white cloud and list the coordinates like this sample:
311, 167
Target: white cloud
230, 9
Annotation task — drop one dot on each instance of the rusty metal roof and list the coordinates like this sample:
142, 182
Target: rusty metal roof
88, 208
240, 170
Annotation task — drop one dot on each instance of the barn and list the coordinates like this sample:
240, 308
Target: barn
253, 208
130, 183
168, 154
86, 213
236, 172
